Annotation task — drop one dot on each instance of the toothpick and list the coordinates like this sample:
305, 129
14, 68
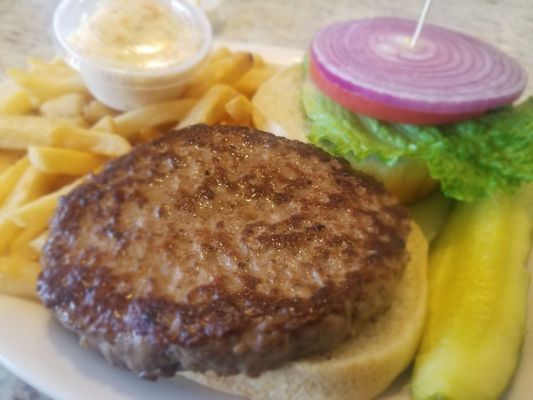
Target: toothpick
420, 24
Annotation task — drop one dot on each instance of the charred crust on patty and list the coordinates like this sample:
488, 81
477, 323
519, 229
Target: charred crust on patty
222, 248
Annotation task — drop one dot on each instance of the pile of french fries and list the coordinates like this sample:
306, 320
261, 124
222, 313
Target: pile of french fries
53, 133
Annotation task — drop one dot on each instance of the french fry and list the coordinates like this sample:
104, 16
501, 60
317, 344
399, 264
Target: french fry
253, 79
259, 62
21, 243
13, 99
227, 70
31, 185
153, 116
18, 276
38, 213
20, 139
76, 121
210, 108
147, 135
20, 132
239, 108
106, 124
64, 180
38, 243
206, 76
8, 232
95, 111
219, 54
259, 120
68, 105
74, 138
63, 161
42, 86
9, 158
36, 64
10, 177
56, 67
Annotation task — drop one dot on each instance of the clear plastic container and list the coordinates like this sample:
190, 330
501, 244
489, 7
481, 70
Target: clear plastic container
126, 88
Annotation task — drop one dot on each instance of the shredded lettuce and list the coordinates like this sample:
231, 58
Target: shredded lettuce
471, 159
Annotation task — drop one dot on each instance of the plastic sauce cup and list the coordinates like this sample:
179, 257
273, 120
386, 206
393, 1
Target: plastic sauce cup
126, 88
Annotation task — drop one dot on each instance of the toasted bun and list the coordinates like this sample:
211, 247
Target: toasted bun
280, 111
360, 368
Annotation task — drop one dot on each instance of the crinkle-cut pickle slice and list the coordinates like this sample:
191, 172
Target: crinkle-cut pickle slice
477, 305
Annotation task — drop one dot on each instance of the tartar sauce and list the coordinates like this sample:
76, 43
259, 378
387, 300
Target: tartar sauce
136, 34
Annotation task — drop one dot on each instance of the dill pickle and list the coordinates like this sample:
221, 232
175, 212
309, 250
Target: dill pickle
477, 300
431, 214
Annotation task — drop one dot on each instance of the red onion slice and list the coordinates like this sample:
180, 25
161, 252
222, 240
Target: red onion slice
382, 111
447, 71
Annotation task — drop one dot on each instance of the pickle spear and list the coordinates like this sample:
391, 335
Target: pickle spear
431, 214
477, 300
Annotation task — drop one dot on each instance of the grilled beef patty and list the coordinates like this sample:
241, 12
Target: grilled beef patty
222, 248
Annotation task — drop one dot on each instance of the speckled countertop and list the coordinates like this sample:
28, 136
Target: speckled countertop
25, 29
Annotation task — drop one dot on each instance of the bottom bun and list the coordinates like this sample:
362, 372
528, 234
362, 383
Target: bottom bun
279, 110
360, 368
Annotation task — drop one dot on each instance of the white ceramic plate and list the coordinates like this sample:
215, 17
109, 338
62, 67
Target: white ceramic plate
37, 349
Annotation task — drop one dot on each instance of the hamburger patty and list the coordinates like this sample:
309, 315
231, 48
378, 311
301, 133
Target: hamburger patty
222, 248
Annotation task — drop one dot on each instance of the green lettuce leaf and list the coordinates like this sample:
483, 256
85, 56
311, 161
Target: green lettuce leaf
471, 159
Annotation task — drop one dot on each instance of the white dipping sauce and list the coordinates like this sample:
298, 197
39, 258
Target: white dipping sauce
133, 53
136, 34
